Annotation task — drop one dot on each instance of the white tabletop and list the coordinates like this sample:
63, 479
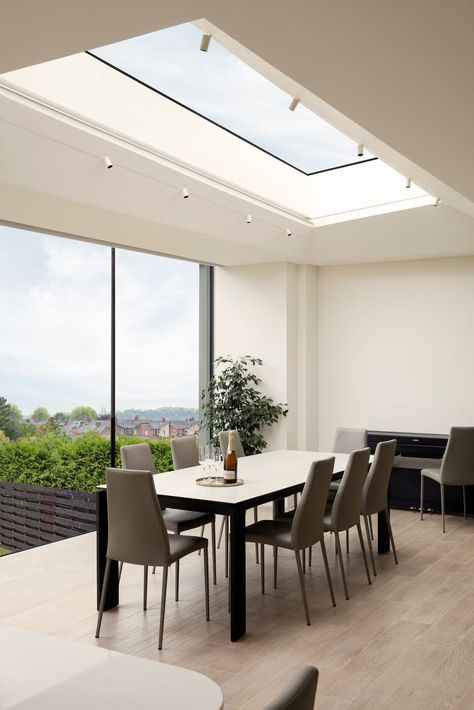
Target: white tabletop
40, 672
262, 474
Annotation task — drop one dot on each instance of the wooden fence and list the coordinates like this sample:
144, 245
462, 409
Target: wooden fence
32, 516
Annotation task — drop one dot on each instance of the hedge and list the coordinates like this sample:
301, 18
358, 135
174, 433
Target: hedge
58, 462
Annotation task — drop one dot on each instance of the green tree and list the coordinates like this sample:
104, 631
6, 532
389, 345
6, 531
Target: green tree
82, 413
40, 414
232, 401
9, 420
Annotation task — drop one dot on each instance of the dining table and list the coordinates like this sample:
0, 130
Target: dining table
40, 672
272, 477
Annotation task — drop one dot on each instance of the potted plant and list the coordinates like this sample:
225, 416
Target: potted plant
232, 401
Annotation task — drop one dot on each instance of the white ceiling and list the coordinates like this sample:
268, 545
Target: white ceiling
394, 76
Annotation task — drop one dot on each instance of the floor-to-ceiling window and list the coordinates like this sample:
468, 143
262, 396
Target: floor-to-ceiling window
60, 365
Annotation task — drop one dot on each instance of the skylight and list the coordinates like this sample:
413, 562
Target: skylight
225, 90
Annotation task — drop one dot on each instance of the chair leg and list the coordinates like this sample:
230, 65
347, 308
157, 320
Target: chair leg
202, 535
304, 561
121, 568
145, 586
442, 507
206, 581
214, 562
341, 564
392, 541
347, 541
275, 566
103, 594
164, 585
255, 520
371, 528
463, 502
303, 590
295, 500
310, 556
422, 486
176, 579
262, 568
364, 555
220, 532
226, 546
328, 573
369, 543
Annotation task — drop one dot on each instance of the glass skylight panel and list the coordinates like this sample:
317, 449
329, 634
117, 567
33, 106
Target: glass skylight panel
222, 88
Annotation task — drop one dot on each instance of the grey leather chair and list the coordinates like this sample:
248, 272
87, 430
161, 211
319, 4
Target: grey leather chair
375, 492
343, 512
139, 457
138, 536
457, 466
299, 693
347, 440
224, 440
185, 452
306, 529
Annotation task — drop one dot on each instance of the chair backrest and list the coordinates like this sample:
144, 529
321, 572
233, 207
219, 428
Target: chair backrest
375, 491
224, 440
137, 457
457, 467
137, 533
299, 693
185, 452
345, 511
347, 440
308, 522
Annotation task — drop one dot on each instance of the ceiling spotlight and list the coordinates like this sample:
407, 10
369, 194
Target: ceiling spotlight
205, 41
360, 150
288, 232
108, 163
294, 103
436, 202
408, 182
184, 193
249, 218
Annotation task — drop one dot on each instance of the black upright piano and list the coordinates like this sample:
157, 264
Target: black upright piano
415, 452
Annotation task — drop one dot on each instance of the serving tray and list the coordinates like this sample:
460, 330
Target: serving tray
218, 483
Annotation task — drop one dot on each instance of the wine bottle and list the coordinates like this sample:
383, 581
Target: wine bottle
230, 461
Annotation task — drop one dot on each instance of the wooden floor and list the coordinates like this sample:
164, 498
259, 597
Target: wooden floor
405, 642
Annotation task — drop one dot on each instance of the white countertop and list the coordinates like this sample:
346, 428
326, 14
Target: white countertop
262, 474
39, 672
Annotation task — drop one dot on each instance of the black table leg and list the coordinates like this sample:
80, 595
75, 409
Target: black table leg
383, 539
237, 580
278, 507
112, 598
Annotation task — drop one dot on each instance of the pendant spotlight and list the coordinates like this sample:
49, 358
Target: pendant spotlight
249, 218
108, 163
408, 182
294, 103
360, 150
184, 193
436, 202
288, 232
205, 41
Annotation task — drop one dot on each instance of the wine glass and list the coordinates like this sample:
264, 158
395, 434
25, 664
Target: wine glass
209, 460
203, 460
216, 462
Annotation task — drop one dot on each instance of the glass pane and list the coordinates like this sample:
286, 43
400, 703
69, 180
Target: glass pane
55, 375
224, 89
157, 330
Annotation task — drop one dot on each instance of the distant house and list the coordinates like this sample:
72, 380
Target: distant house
144, 428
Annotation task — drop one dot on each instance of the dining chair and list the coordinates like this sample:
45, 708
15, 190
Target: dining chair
240, 453
306, 528
375, 492
138, 536
457, 466
139, 457
343, 512
299, 693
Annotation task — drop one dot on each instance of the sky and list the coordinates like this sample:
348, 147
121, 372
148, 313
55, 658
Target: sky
222, 87
55, 325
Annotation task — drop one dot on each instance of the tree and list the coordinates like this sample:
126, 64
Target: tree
232, 401
9, 420
40, 414
82, 413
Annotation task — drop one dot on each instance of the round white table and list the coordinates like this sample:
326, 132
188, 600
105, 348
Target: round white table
47, 673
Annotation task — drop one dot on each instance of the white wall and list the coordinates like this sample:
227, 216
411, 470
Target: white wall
267, 311
396, 346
